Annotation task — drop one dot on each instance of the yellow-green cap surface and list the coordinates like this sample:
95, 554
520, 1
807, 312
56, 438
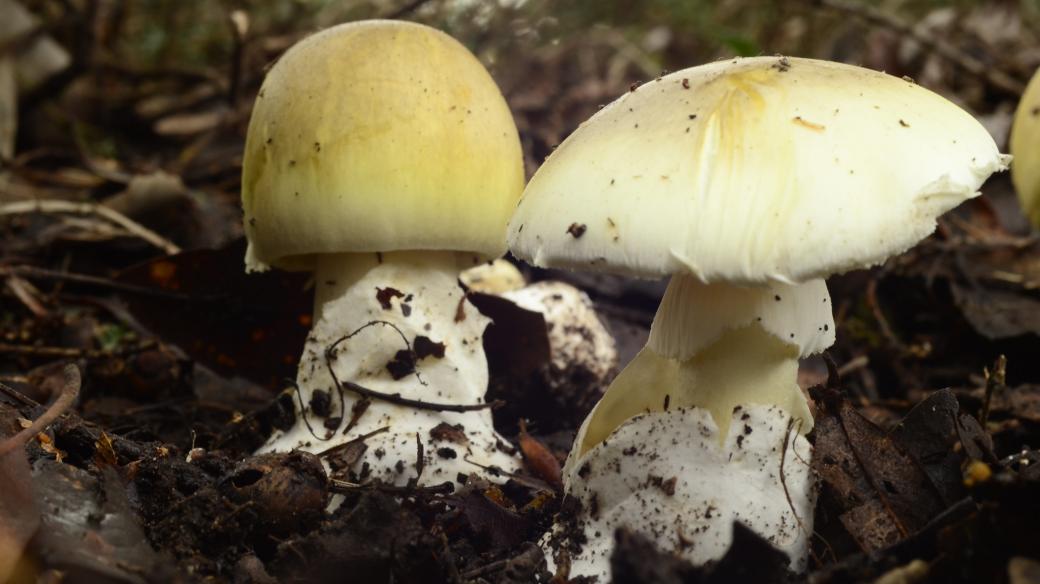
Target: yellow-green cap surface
378, 136
1025, 148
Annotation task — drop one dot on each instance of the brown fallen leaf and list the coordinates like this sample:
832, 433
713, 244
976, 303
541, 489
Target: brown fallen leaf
21, 516
491, 522
18, 508
882, 492
996, 313
539, 459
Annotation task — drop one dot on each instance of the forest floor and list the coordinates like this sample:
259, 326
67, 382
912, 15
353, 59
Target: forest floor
121, 253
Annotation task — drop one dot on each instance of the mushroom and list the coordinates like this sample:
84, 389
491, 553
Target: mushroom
582, 356
579, 345
382, 156
495, 277
1025, 147
747, 181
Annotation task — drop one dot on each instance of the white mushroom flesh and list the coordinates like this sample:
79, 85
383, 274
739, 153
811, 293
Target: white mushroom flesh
370, 307
674, 478
577, 338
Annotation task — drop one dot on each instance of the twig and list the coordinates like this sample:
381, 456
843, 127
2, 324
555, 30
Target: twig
405, 10
855, 364
57, 206
68, 395
360, 438
17, 395
969, 63
303, 414
420, 461
995, 380
23, 291
34, 273
344, 487
833, 374
879, 316
527, 481
783, 478
394, 398
238, 21
485, 569
72, 353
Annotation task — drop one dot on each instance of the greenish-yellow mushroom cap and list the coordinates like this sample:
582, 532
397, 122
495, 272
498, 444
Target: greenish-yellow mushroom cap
378, 136
1025, 147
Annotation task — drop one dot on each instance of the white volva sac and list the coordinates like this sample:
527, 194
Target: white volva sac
372, 307
577, 338
675, 476
748, 181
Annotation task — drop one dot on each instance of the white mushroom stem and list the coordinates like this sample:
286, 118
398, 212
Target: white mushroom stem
381, 313
712, 407
717, 346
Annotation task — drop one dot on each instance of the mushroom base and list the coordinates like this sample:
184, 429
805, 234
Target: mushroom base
669, 476
397, 324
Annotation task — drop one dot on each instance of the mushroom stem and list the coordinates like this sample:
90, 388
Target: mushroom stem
717, 346
704, 427
399, 324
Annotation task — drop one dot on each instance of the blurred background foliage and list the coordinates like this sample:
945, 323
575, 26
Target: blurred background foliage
168, 84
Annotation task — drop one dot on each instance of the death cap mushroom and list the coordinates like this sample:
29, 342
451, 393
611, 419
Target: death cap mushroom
378, 136
748, 181
752, 171
382, 155
1025, 147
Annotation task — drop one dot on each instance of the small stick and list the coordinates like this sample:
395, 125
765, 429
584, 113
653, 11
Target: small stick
71, 353
879, 316
995, 380
360, 438
56, 409
783, 478
485, 569
969, 63
343, 487
420, 461
17, 395
396, 398
34, 273
57, 206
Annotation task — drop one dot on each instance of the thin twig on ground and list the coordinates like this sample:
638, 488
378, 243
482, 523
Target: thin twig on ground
990, 74
64, 400
35, 273
73, 353
57, 206
995, 380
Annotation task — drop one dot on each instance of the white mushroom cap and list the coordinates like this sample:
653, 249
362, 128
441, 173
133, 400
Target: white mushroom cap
753, 170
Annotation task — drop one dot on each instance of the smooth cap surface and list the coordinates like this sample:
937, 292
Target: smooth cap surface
378, 136
753, 170
1025, 147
